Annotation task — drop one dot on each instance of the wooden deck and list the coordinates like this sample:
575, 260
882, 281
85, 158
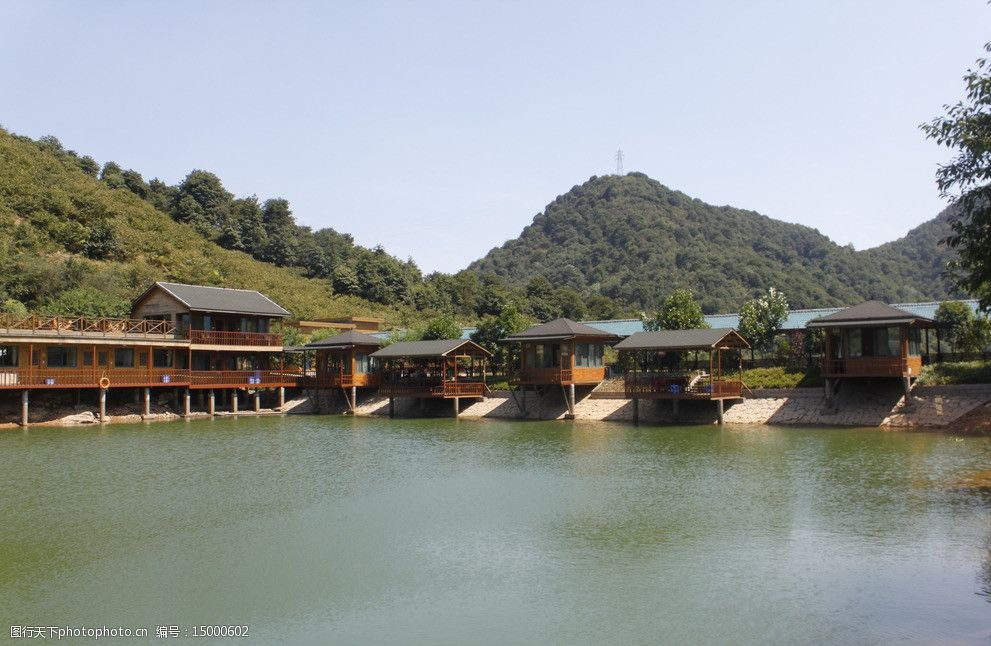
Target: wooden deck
668, 386
84, 327
342, 380
559, 376
222, 338
51, 378
872, 367
432, 388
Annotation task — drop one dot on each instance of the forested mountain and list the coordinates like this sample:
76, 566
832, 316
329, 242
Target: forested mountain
72, 244
634, 240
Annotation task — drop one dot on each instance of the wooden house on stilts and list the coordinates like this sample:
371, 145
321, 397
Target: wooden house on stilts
344, 362
560, 353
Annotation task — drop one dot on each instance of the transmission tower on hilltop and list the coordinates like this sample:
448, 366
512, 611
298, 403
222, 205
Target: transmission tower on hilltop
619, 162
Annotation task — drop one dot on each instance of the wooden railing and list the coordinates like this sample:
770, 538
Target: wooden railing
342, 380
66, 325
218, 337
872, 367
431, 388
242, 378
41, 377
679, 386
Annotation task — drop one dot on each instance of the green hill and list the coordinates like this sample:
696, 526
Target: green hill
69, 241
634, 240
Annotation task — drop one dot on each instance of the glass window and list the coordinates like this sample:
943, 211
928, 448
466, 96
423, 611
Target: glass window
61, 357
8, 356
914, 341
162, 358
362, 363
87, 358
124, 358
101, 358
894, 342
854, 345
143, 359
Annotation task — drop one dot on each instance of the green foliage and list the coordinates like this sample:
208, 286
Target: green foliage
492, 329
956, 372
87, 301
961, 328
680, 311
966, 128
635, 241
442, 327
14, 306
762, 317
780, 377
291, 336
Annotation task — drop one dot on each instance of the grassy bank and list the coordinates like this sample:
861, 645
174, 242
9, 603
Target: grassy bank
956, 372
780, 378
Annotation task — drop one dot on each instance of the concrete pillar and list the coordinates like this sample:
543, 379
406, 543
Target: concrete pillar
828, 386
907, 385
137, 396
147, 401
457, 407
234, 402
354, 398
103, 404
392, 407
674, 408
282, 397
212, 403
636, 411
186, 403
571, 399
258, 401
24, 408
719, 411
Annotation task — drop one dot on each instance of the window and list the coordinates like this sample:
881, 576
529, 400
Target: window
854, 345
61, 357
87, 358
124, 358
588, 355
362, 363
914, 341
8, 356
101, 359
161, 358
143, 359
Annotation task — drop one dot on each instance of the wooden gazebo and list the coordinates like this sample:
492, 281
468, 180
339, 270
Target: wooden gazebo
561, 353
344, 361
440, 369
667, 365
871, 340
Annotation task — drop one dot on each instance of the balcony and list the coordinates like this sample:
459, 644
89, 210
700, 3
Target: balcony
230, 339
563, 376
667, 385
872, 367
343, 380
432, 388
50, 378
83, 327
243, 378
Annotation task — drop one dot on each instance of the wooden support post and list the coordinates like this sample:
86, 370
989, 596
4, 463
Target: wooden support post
636, 412
24, 408
186, 403
828, 385
212, 403
258, 401
392, 407
234, 401
147, 401
457, 407
282, 397
719, 411
103, 405
907, 385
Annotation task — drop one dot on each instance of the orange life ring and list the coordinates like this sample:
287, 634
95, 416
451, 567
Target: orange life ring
104, 383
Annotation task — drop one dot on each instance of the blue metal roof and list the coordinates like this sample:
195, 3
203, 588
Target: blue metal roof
796, 319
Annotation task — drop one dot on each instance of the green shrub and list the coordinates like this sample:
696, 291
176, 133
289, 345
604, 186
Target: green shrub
956, 372
780, 378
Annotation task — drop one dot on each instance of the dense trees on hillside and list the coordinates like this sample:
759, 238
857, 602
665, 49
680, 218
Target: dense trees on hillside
611, 247
967, 179
634, 240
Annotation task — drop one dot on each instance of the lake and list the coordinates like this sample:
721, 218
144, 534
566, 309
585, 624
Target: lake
327, 529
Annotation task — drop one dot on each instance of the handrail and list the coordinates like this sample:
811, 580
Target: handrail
225, 337
87, 325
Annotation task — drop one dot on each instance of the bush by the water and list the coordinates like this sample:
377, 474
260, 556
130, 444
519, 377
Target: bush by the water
780, 378
956, 372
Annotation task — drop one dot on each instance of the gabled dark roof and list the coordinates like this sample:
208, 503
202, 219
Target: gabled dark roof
868, 313
698, 339
201, 298
425, 349
345, 340
560, 329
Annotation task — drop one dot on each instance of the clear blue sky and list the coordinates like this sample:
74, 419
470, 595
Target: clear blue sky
439, 129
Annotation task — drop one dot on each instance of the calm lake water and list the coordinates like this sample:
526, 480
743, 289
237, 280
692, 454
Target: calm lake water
342, 530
